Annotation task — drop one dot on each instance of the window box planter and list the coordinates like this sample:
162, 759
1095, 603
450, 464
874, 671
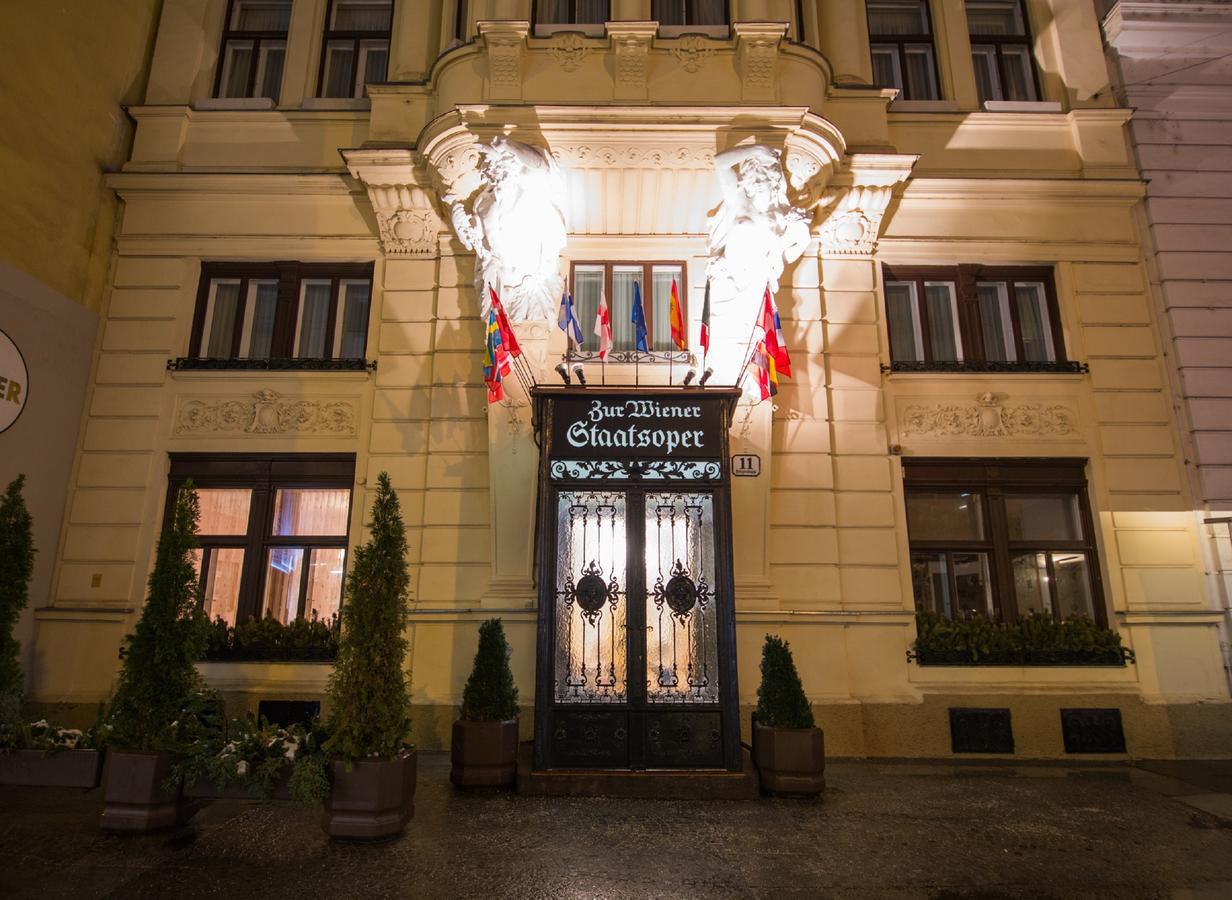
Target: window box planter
134, 796
272, 654
1117, 658
62, 768
370, 799
791, 762
484, 754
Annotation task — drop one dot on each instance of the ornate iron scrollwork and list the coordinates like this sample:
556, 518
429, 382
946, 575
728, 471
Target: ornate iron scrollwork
591, 592
635, 470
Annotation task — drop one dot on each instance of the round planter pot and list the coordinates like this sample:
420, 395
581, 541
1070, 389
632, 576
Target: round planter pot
484, 754
371, 799
791, 762
134, 798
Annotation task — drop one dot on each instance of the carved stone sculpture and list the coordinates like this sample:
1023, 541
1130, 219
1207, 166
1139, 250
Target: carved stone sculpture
515, 224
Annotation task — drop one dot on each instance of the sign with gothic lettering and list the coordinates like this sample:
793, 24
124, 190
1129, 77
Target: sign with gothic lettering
588, 425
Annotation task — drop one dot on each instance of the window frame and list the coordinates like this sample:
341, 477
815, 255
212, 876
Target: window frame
900, 42
691, 27
228, 35
648, 267
965, 278
263, 474
995, 478
356, 38
541, 28
290, 277
997, 42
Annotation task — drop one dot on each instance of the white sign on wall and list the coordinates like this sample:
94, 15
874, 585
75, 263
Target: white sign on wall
14, 382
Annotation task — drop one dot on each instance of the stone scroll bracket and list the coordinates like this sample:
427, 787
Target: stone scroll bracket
631, 57
855, 203
757, 52
408, 223
504, 47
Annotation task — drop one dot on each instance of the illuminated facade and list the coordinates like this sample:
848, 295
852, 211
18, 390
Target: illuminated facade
977, 416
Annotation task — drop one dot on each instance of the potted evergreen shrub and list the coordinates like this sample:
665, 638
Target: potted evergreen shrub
37, 753
160, 699
371, 769
484, 749
788, 749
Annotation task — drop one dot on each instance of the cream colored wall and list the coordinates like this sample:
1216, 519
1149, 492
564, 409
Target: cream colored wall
821, 537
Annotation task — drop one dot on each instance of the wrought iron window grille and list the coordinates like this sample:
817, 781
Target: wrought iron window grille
631, 357
635, 470
288, 364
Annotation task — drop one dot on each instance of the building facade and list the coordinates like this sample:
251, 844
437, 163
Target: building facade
939, 196
1169, 63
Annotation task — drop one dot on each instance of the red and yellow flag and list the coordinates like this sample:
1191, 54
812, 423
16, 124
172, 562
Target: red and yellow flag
679, 336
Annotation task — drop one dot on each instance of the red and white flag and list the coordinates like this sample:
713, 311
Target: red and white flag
603, 327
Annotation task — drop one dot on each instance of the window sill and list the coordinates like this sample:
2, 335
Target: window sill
334, 104
187, 364
920, 106
965, 368
1022, 106
224, 103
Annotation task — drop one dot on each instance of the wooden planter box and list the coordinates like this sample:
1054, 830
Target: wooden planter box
134, 798
484, 754
790, 761
64, 768
371, 799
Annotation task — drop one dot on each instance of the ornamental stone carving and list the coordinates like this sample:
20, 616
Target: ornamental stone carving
569, 49
515, 224
851, 213
504, 44
989, 416
406, 218
631, 55
757, 52
692, 51
266, 412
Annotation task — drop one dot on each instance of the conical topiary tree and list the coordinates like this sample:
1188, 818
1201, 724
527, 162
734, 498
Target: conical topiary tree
368, 692
158, 681
490, 694
780, 697
16, 566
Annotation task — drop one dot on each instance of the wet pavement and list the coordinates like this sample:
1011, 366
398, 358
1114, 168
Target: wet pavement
884, 829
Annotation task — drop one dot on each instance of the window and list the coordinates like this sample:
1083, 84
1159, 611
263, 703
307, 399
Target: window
900, 34
1001, 538
251, 314
616, 282
690, 12
973, 318
356, 48
1001, 50
254, 45
273, 532
572, 12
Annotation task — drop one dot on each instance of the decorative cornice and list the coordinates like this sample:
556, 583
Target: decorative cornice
989, 416
264, 413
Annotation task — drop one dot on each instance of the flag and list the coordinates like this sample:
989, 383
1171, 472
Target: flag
706, 325
767, 373
508, 340
677, 319
776, 344
603, 327
567, 318
495, 359
639, 319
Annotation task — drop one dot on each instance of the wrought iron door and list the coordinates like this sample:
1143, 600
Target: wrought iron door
637, 618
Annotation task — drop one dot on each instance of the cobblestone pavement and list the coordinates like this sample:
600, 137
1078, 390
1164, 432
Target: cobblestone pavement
884, 829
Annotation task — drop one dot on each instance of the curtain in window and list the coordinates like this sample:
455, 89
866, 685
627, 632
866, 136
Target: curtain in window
921, 80
587, 286
263, 295
995, 17
1033, 323
339, 62
375, 55
987, 79
622, 308
661, 324
892, 17
577, 12
900, 307
314, 319
885, 66
995, 324
1018, 83
354, 319
593, 12
668, 12
709, 12
362, 15
237, 63
222, 319
261, 15
942, 335
269, 75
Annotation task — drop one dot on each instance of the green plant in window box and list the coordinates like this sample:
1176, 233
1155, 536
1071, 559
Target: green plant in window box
484, 744
1036, 639
788, 748
310, 639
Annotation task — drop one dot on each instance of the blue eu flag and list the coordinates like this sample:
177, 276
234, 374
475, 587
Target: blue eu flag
639, 319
